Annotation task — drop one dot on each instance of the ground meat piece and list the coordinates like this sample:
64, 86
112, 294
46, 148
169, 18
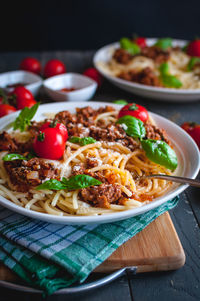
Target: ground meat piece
113, 133
129, 142
78, 123
35, 126
145, 77
7, 143
91, 162
66, 118
86, 115
78, 169
27, 174
78, 131
102, 195
155, 53
105, 109
153, 132
25, 147
122, 56
110, 133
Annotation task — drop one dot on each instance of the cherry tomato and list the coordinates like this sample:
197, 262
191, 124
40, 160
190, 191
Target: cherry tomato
54, 67
60, 127
94, 74
134, 110
193, 48
193, 129
6, 109
140, 41
31, 64
25, 103
24, 98
49, 144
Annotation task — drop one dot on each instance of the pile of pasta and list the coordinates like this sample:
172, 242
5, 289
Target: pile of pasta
112, 157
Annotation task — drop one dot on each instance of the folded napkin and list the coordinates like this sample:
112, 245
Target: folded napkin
53, 256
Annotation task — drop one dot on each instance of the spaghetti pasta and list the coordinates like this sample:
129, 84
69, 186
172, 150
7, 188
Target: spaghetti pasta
115, 165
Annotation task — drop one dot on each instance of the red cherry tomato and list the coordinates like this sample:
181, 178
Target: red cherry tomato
193, 129
24, 98
49, 144
134, 110
140, 41
193, 48
60, 127
54, 67
6, 109
31, 64
25, 103
94, 74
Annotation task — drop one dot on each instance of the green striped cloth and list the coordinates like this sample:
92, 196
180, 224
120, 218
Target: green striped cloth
53, 256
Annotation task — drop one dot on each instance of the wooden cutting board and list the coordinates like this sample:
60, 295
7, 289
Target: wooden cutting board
156, 248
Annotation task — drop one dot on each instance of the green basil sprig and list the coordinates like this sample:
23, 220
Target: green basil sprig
75, 182
160, 152
24, 118
157, 151
129, 46
12, 157
120, 102
192, 62
167, 79
164, 43
134, 127
82, 141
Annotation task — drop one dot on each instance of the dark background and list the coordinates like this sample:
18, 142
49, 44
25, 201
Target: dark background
90, 24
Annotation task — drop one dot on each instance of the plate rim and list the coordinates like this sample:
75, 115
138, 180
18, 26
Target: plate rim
112, 217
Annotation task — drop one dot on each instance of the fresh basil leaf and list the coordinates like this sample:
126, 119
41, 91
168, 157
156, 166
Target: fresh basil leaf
164, 68
192, 62
164, 43
160, 152
12, 157
24, 118
82, 141
171, 81
132, 126
120, 102
75, 182
80, 181
129, 46
167, 79
52, 184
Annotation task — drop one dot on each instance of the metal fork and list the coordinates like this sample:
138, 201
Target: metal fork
182, 180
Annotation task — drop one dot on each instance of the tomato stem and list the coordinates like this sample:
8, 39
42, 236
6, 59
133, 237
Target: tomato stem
41, 137
53, 123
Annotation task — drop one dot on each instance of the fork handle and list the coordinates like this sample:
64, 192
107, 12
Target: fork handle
192, 182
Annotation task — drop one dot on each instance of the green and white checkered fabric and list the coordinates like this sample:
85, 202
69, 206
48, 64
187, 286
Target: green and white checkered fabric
53, 256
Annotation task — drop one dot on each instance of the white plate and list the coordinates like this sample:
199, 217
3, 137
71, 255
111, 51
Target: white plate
85, 87
33, 82
174, 95
185, 147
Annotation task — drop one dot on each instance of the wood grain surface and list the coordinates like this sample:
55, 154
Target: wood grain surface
156, 248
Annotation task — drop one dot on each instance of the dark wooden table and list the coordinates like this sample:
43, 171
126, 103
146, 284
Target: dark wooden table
180, 285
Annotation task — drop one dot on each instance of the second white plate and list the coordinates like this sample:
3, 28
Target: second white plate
173, 95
